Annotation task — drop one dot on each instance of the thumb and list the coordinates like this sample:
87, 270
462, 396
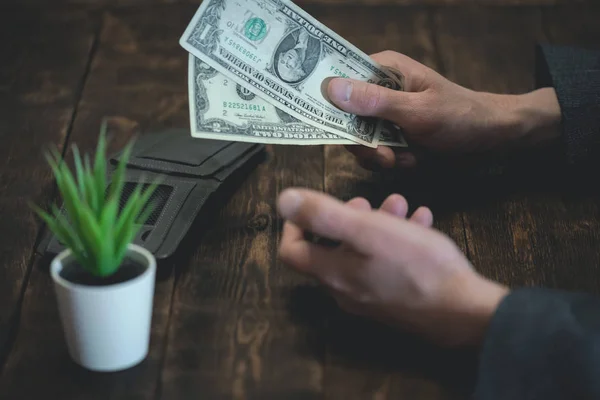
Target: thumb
367, 99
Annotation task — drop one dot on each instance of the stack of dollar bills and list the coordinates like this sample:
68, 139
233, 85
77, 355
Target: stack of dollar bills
256, 74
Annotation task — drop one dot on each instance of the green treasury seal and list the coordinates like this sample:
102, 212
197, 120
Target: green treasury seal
255, 29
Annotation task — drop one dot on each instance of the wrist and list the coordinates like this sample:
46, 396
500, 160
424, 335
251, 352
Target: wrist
533, 119
472, 303
485, 296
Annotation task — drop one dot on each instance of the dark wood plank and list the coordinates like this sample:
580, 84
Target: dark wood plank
373, 362
494, 52
43, 63
570, 229
243, 325
242, 322
572, 26
545, 233
138, 81
484, 38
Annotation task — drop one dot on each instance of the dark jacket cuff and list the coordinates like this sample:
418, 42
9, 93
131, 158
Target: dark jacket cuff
575, 76
542, 344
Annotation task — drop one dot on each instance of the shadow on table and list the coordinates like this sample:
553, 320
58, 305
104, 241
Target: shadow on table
448, 188
358, 342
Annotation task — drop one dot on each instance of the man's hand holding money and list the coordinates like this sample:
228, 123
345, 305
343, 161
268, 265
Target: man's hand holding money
440, 116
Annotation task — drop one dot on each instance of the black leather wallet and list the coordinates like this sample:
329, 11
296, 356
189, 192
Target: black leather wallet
192, 172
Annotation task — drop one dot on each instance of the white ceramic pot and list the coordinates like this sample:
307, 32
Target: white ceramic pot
107, 328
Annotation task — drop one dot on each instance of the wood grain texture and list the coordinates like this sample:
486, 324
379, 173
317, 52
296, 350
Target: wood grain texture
537, 226
572, 26
366, 360
42, 67
498, 49
242, 322
137, 80
569, 229
243, 325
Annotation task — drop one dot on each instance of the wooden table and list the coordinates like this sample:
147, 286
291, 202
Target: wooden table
230, 321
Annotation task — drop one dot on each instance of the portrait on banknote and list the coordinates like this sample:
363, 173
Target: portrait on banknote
296, 56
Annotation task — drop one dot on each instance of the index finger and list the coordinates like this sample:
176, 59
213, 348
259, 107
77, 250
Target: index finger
327, 217
412, 70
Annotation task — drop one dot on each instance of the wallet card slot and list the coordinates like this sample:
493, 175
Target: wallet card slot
154, 236
194, 203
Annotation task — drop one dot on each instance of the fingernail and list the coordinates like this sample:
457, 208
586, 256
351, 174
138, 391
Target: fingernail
340, 90
289, 202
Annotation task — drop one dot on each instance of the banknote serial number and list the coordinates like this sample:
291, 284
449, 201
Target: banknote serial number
242, 50
243, 106
337, 72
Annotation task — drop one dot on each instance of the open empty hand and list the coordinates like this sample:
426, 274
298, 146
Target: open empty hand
391, 268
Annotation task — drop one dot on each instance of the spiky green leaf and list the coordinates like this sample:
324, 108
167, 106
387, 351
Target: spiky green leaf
90, 185
66, 185
91, 237
131, 207
107, 226
92, 226
51, 223
100, 166
118, 178
80, 172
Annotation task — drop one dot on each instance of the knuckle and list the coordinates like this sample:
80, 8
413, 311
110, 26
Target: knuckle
340, 225
329, 220
334, 283
364, 298
422, 112
360, 227
388, 53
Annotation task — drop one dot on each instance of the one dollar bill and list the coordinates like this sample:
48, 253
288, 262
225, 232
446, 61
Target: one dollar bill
281, 54
223, 109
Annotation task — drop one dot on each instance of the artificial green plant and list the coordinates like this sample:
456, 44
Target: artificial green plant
92, 226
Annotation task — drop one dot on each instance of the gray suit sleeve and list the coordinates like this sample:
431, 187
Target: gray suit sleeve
575, 75
542, 345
